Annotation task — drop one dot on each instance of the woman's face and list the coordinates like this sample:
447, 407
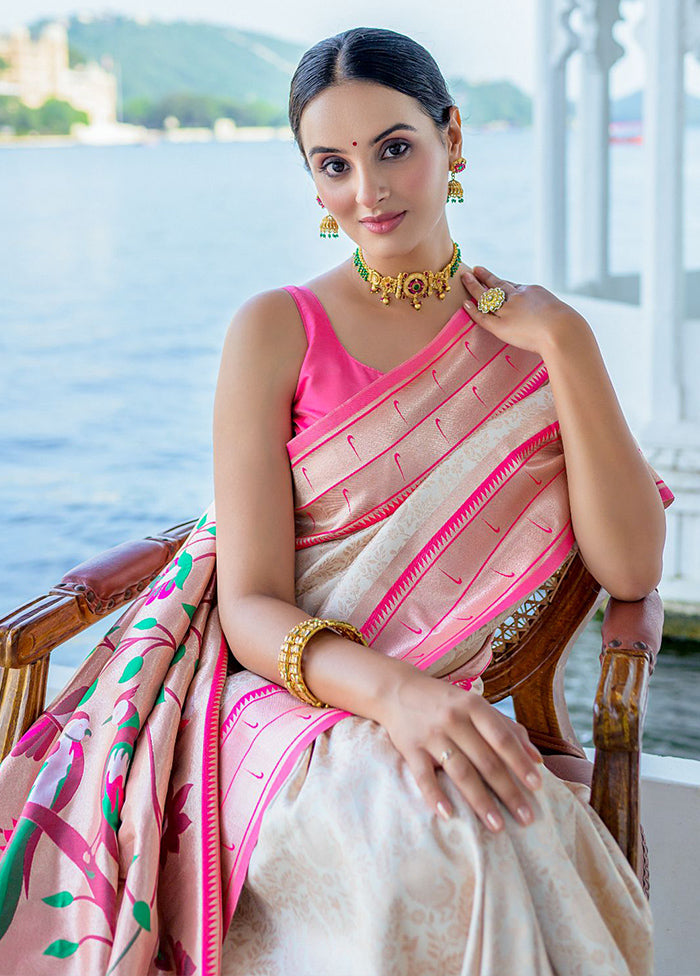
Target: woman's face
372, 151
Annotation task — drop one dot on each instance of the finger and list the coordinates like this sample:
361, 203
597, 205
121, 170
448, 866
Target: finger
525, 739
499, 732
474, 290
423, 769
471, 785
495, 773
491, 280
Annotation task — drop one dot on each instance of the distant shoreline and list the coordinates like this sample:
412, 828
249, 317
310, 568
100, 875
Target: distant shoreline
127, 135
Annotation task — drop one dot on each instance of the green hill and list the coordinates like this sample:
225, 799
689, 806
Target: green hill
198, 71
158, 59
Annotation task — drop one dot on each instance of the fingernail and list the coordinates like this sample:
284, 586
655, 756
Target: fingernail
494, 821
443, 811
524, 815
533, 781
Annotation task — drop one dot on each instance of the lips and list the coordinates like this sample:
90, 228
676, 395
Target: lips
380, 218
383, 223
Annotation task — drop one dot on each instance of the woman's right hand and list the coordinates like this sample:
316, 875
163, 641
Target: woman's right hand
491, 755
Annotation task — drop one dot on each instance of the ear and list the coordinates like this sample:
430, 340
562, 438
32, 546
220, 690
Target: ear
454, 132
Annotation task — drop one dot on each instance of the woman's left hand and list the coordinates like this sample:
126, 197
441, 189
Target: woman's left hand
531, 317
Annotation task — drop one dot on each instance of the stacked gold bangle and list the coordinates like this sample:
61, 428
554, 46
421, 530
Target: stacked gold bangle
293, 647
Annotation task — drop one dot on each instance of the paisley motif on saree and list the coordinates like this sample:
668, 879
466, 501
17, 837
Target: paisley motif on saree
427, 506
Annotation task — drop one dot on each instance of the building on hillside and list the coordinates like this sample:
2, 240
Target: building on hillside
37, 70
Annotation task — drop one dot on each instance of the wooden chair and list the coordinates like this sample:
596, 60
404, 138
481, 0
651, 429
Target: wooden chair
530, 654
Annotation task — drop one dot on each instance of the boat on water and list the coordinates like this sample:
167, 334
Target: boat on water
627, 131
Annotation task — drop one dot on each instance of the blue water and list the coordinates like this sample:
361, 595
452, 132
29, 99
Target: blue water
121, 269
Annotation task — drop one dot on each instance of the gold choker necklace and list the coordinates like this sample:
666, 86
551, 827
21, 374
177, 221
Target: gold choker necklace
413, 285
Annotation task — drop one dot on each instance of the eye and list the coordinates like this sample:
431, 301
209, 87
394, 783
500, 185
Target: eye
401, 144
326, 168
397, 144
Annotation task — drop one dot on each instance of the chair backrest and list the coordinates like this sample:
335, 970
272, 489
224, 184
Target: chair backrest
531, 649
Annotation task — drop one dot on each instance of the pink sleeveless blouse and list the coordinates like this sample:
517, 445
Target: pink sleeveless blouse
328, 374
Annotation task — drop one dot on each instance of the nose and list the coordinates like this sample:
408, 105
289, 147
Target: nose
369, 191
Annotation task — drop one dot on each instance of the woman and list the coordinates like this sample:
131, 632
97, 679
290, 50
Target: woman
400, 479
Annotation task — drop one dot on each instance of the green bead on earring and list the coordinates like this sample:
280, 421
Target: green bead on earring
455, 193
329, 225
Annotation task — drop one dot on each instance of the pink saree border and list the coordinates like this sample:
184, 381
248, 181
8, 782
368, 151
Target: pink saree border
384, 383
211, 835
274, 782
466, 512
536, 378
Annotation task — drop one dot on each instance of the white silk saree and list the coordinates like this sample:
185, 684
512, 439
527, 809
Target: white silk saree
166, 806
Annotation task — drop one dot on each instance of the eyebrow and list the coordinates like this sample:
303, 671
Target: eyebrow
382, 135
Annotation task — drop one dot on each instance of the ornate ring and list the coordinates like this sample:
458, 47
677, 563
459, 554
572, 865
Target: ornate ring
445, 756
491, 300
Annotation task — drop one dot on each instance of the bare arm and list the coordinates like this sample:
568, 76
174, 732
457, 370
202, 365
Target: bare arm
260, 363
617, 512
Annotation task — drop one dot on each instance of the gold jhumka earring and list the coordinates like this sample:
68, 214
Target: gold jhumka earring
455, 193
329, 225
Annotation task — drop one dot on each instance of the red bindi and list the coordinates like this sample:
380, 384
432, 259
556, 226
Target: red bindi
354, 143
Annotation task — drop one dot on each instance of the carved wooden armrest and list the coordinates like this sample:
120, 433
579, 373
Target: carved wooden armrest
86, 593
631, 640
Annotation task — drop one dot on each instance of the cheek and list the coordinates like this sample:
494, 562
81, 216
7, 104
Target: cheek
424, 179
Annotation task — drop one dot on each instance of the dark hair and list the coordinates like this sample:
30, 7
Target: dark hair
369, 54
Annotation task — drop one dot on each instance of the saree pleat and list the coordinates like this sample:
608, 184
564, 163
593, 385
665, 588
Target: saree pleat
169, 804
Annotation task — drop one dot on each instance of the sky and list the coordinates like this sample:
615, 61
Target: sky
475, 39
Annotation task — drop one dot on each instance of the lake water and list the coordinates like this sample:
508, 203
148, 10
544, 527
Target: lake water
121, 269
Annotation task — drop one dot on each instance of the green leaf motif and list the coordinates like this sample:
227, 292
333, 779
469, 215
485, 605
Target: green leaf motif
189, 609
60, 900
212, 529
88, 693
184, 568
161, 695
142, 914
201, 521
178, 655
61, 948
146, 623
132, 668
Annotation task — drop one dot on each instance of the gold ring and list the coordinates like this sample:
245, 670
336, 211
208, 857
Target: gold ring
445, 756
491, 300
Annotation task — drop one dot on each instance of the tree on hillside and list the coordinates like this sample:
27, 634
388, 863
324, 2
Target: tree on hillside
54, 117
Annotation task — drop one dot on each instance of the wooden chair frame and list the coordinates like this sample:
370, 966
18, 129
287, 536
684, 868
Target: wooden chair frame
530, 653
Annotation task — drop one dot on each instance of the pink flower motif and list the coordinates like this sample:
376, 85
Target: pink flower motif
6, 835
175, 822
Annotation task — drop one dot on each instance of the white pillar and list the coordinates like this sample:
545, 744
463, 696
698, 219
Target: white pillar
662, 282
672, 438
599, 52
555, 42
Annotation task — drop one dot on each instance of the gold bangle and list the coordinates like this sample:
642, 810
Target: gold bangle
292, 649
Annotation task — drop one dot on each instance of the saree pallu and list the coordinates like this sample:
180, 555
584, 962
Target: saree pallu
427, 506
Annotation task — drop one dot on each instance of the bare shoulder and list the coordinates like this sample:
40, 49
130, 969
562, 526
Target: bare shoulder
266, 332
